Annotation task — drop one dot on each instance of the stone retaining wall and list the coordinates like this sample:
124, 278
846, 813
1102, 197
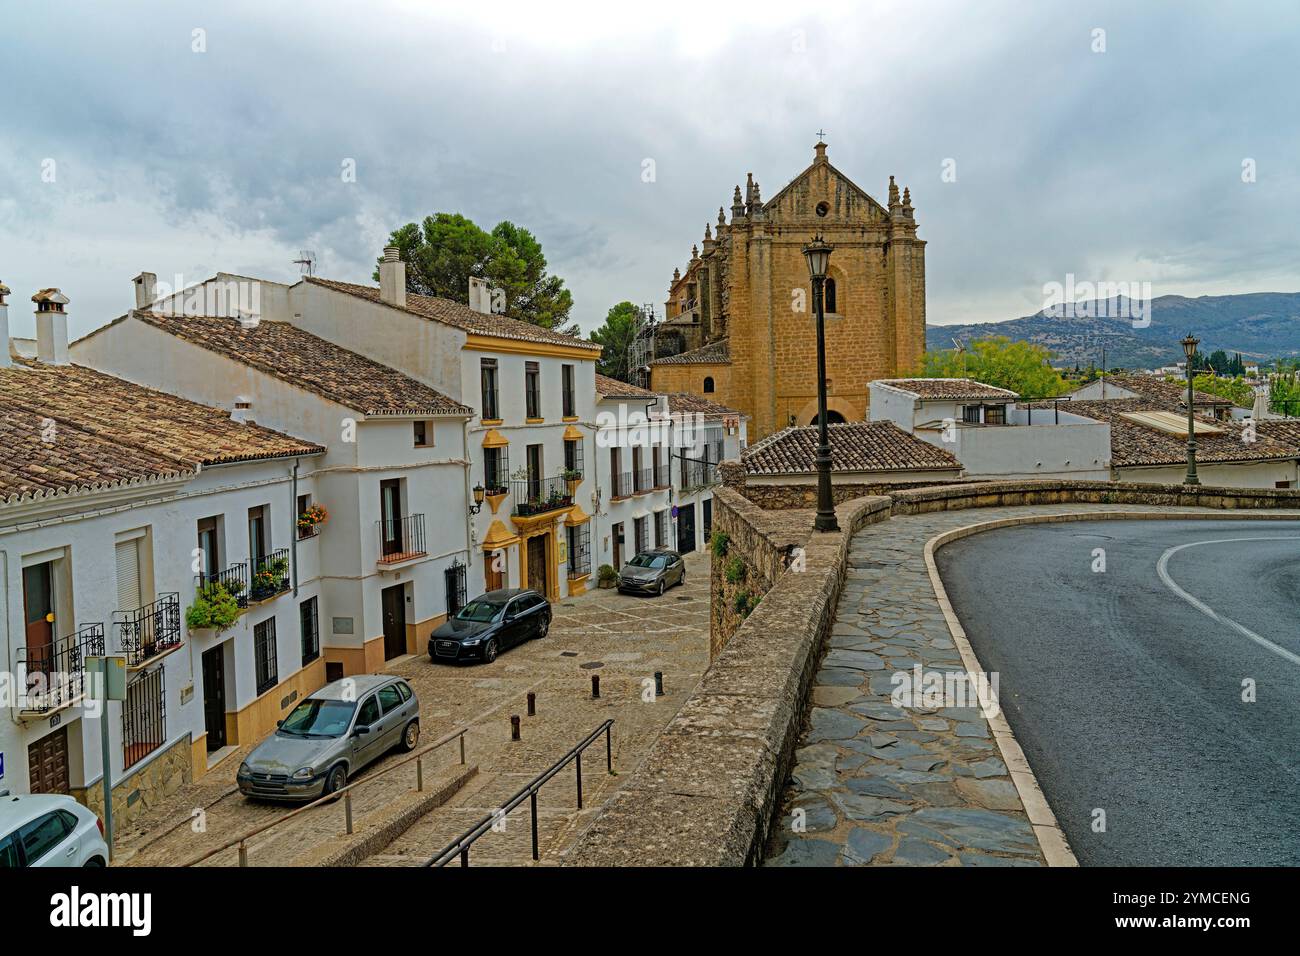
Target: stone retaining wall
990, 494
706, 792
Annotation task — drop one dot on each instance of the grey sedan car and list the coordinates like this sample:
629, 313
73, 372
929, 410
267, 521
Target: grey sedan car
330, 736
652, 572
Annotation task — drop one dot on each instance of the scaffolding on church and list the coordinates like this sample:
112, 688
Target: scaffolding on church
642, 350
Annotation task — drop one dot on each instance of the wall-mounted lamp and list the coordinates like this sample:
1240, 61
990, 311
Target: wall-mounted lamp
477, 506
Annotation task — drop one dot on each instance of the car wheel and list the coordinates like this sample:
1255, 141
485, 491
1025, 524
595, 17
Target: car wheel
662, 587
681, 578
94, 861
411, 736
490, 650
337, 780
546, 626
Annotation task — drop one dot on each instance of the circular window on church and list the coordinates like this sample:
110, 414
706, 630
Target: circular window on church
823, 208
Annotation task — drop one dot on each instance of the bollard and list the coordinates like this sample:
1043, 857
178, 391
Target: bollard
532, 704
347, 809
595, 686
514, 726
659, 683
243, 855
419, 773
462, 747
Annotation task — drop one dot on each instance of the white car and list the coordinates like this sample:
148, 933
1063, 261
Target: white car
48, 829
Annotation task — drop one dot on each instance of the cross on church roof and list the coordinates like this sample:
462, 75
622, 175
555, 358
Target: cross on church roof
821, 135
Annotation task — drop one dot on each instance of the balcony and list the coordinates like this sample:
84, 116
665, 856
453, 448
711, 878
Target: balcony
270, 577
539, 495
150, 631
53, 675
620, 485
699, 474
401, 539
643, 480
663, 476
233, 580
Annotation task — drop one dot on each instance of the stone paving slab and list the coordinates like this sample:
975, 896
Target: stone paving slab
876, 784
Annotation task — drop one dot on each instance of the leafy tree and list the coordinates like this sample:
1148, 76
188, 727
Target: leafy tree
444, 251
1020, 366
1234, 389
616, 337
1284, 390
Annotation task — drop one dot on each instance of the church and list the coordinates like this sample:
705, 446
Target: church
739, 324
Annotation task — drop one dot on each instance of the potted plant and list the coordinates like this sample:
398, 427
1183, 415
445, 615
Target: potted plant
311, 519
606, 576
213, 607
572, 478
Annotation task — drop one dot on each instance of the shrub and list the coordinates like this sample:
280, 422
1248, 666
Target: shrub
606, 572
742, 602
718, 543
734, 571
213, 606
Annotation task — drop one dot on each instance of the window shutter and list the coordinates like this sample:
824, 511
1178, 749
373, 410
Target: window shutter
128, 575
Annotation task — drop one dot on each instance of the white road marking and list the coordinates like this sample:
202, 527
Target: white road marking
1162, 569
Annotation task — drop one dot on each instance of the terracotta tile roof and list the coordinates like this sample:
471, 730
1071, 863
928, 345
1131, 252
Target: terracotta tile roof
607, 387
1285, 430
855, 447
1172, 393
108, 431
715, 353
949, 389
684, 402
1133, 444
463, 317
299, 358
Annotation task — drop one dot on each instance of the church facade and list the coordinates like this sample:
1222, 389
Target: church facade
740, 317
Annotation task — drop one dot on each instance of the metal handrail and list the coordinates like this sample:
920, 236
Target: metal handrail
459, 847
345, 792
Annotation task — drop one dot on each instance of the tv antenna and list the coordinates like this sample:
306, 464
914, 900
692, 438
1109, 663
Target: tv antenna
306, 262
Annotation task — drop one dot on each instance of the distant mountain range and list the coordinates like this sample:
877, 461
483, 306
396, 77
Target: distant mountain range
1259, 325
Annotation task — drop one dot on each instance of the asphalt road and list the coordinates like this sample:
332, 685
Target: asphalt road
1127, 696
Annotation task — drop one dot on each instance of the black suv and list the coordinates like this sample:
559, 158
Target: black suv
489, 624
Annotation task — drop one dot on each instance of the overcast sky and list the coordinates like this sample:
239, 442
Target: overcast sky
1125, 164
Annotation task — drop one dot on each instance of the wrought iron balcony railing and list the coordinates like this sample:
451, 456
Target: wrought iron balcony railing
620, 485
53, 675
234, 580
146, 632
699, 474
643, 480
270, 576
401, 539
663, 476
536, 496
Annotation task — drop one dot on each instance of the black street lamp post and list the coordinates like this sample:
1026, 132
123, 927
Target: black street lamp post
1189, 349
818, 254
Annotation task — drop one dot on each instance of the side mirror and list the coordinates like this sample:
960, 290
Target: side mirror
279, 723
360, 730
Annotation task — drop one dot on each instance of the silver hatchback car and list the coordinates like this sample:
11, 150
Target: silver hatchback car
330, 736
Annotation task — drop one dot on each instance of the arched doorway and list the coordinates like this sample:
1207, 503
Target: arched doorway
832, 418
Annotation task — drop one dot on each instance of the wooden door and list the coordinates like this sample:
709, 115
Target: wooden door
214, 698
38, 609
538, 579
394, 608
47, 763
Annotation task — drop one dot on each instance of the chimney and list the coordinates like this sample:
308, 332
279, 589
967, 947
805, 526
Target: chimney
51, 327
5, 361
392, 278
146, 290
480, 296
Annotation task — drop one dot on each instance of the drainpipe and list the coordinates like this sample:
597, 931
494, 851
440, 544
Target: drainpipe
8, 661
468, 497
293, 527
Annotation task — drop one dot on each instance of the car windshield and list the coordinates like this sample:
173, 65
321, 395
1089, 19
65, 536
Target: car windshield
319, 718
479, 611
648, 561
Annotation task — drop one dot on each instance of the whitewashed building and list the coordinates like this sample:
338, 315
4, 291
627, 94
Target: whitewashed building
116, 502
990, 434
705, 434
